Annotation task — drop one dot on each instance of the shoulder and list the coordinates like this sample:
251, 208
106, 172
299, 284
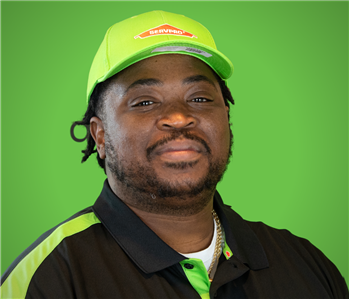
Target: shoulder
266, 232
270, 238
274, 239
16, 279
298, 255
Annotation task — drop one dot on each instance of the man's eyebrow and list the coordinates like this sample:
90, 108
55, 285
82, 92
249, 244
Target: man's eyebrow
198, 78
144, 82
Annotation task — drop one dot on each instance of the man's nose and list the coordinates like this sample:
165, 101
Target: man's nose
176, 116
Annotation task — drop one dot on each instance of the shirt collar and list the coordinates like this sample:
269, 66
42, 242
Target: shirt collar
151, 254
241, 239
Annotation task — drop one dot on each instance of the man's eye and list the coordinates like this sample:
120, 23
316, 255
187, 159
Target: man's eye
200, 100
145, 103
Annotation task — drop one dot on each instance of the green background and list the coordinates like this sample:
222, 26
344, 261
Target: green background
290, 121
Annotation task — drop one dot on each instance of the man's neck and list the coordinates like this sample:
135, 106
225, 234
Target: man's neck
185, 234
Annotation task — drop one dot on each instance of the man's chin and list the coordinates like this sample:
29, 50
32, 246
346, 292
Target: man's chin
182, 165
174, 198
185, 188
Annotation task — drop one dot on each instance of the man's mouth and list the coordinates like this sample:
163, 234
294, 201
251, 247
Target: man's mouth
179, 146
179, 150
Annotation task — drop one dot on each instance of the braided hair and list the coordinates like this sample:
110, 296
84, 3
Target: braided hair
96, 108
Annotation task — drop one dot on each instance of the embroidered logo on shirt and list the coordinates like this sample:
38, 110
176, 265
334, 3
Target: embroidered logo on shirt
165, 29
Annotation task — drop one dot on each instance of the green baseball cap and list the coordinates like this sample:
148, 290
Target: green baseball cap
154, 33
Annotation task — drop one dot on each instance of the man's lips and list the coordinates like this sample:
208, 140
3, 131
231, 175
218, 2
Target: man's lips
178, 143
179, 150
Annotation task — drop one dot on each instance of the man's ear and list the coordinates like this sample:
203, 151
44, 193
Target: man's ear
97, 132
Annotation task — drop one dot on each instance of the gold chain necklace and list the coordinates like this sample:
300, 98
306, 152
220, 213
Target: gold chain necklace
218, 246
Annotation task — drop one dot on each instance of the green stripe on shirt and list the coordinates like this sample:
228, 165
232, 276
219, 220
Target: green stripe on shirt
16, 284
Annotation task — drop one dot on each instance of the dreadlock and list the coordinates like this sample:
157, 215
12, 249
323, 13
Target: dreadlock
96, 108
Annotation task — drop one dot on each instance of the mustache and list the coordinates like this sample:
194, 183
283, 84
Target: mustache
174, 135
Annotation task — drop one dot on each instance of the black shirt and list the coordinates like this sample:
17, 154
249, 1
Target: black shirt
106, 251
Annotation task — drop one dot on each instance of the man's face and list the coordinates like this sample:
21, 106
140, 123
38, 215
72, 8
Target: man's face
167, 135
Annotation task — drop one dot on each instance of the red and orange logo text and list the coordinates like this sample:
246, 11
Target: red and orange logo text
164, 29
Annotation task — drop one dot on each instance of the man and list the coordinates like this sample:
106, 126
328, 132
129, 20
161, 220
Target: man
158, 115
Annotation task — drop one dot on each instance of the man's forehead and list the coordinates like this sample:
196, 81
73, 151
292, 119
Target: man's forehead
158, 82
155, 70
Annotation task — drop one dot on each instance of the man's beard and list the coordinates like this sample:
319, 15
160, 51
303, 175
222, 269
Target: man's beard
153, 194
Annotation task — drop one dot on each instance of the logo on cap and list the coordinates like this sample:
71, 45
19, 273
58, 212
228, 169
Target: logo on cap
164, 29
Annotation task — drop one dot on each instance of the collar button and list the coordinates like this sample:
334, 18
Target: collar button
189, 266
